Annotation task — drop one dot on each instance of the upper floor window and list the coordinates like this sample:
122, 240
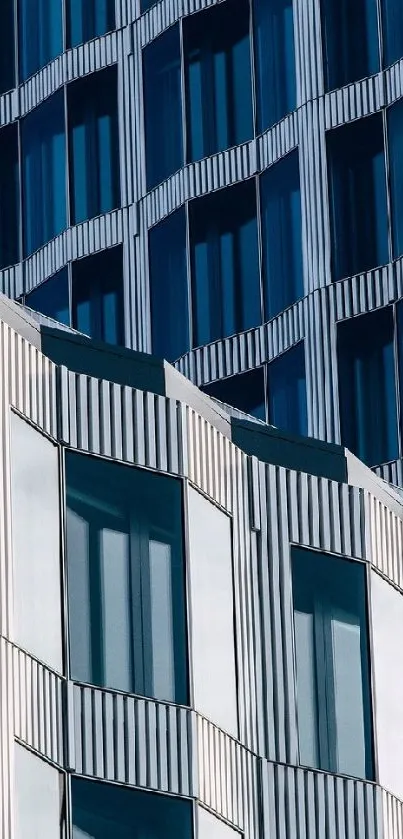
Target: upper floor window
225, 263
395, 134
9, 197
287, 391
218, 79
103, 811
358, 203
275, 60
126, 579
281, 235
44, 173
332, 672
86, 19
346, 25
245, 391
392, 11
367, 387
169, 287
97, 295
93, 145
7, 50
163, 107
51, 298
40, 30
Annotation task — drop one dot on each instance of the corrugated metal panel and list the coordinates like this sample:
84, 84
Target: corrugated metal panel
38, 706
354, 101
385, 540
33, 384
392, 816
308, 50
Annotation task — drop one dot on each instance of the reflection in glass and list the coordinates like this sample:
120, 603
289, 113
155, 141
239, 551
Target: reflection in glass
87, 19
40, 29
246, 391
169, 287
395, 134
346, 24
287, 391
367, 387
7, 56
392, 11
125, 579
52, 298
9, 197
106, 811
275, 60
218, 78
97, 296
331, 654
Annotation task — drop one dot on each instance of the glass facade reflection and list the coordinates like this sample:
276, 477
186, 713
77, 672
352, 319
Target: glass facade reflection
275, 61
9, 197
346, 24
52, 298
169, 287
7, 47
88, 18
395, 133
97, 296
40, 31
287, 391
246, 391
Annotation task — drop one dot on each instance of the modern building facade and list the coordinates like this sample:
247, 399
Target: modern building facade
219, 184
200, 615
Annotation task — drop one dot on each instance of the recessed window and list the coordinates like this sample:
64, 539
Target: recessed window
97, 296
103, 811
358, 204
9, 197
87, 19
51, 298
287, 391
169, 287
126, 579
281, 235
218, 78
392, 11
163, 107
225, 263
274, 60
367, 387
395, 134
40, 34
7, 52
246, 392
345, 25
44, 173
93, 145
331, 656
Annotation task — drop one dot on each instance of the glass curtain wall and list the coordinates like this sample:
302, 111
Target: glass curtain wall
51, 298
169, 287
40, 31
395, 135
7, 51
392, 12
87, 19
287, 391
246, 391
274, 61
350, 41
9, 197
97, 296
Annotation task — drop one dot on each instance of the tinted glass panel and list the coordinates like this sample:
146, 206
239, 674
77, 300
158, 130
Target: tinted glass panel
7, 57
245, 392
225, 264
125, 578
40, 28
44, 173
97, 296
367, 387
331, 651
345, 25
392, 31
94, 145
395, 133
163, 107
358, 197
52, 298
169, 287
103, 811
9, 196
287, 391
87, 19
218, 78
275, 60
282, 235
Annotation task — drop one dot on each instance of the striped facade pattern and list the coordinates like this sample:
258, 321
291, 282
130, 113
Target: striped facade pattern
253, 783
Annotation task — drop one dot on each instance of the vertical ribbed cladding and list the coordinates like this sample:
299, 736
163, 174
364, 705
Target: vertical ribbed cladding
278, 141
391, 472
6, 738
354, 101
38, 705
308, 50
313, 805
392, 816
321, 366
11, 282
314, 196
385, 540
366, 292
32, 384
394, 82
9, 107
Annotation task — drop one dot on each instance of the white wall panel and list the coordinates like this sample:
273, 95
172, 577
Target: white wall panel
209, 827
37, 797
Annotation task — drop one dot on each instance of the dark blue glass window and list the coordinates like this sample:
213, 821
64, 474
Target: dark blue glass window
126, 579
218, 79
97, 296
163, 107
392, 31
7, 52
246, 392
225, 264
87, 19
169, 287
52, 298
358, 204
350, 41
94, 145
275, 60
287, 391
40, 26
44, 173
282, 235
9, 196
367, 387
395, 133
103, 811
332, 663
